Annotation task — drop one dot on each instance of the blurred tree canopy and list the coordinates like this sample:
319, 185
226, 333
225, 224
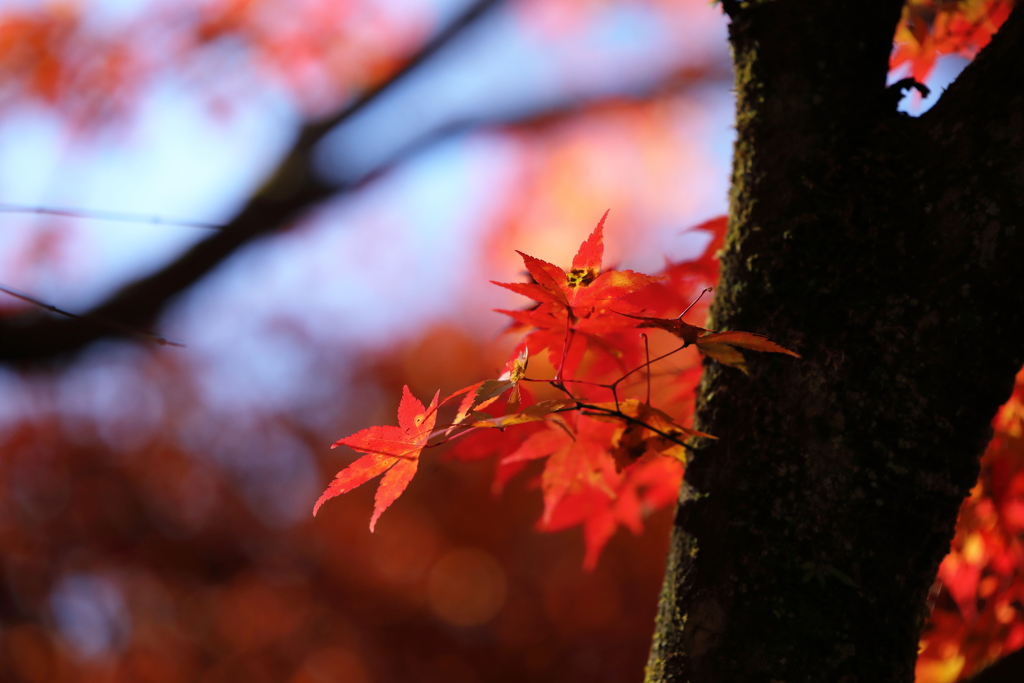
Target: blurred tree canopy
380, 159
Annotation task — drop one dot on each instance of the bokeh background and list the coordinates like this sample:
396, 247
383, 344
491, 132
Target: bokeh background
154, 500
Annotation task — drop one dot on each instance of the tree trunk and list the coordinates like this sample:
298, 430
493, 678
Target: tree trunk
887, 251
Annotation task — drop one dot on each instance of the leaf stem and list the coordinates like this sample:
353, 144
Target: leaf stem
646, 365
647, 354
584, 407
577, 381
702, 293
569, 334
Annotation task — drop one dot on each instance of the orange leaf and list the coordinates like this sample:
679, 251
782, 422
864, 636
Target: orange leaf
685, 331
591, 252
567, 299
392, 451
576, 461
584, 285
535, 413
745, 340
718, 345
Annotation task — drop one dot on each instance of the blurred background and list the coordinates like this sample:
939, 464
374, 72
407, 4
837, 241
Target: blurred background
310, 196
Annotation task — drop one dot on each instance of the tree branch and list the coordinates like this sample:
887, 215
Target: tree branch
30, 339
291, 189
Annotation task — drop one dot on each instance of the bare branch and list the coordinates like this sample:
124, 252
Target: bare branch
291, 189
92, 214
148, 336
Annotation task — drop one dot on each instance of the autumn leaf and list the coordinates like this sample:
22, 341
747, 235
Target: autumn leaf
646, 486
600, 515
718, 345
482, 394
584, 284
722, 347
683, 279
930, 29
568, 302
658, 433
391, 451
541, 410
576, 460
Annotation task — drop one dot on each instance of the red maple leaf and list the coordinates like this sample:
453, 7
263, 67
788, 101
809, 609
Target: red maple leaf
576, 461
583, 286
391, 451
575, 301
482, 394
644, 487
496, 443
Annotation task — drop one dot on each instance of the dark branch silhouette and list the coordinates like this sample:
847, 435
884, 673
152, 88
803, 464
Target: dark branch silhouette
113, 325
293, 189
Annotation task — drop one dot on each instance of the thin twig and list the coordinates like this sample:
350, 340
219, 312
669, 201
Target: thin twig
6, 207
702, 293
647, 354
90, 318
647, 364
576, 381
569, 336
583, 407
557, 384
292, 188
313, 132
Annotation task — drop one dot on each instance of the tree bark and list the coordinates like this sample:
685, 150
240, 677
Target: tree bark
887, 251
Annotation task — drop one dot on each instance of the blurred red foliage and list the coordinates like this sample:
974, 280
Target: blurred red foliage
150, 545
149, 563
94, 70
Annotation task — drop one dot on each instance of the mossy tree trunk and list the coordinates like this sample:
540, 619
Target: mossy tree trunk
889, 251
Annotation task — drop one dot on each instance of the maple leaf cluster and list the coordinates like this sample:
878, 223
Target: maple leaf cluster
607, 421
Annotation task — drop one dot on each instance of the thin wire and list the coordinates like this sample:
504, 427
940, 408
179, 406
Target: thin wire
6, 207
90, 318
